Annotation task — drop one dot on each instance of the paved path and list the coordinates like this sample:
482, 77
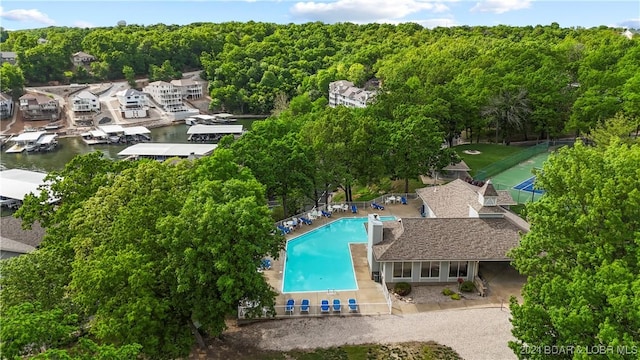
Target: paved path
476, 334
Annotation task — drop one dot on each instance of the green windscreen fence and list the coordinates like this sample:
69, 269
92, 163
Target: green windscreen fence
511, 161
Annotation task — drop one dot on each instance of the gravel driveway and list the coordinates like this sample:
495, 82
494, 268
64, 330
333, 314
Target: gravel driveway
479, 333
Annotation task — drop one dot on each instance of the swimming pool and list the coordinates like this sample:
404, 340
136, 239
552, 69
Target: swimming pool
320, 260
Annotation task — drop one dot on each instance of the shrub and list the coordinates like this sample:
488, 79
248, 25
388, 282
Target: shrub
467, 286
447, 292
455, 296
402, 288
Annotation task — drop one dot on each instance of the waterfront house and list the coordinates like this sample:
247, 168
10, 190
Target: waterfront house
82, 58
168, 96
38, 107
190, 89
6, 106
85, 101
344, 93
133, 103
8, 56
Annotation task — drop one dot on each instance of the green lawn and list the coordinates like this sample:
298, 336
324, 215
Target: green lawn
489, 153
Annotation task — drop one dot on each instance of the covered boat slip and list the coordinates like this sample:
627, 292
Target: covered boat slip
213, 132
47, 142
209, 119
15, 184
33, 141
114, 134
163, 151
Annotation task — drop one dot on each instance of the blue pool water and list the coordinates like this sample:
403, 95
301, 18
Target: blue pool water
321, 259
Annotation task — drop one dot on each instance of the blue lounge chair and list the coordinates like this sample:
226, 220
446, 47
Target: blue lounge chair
326, 214
324, 306
354, 209
377, 206
353, 305
304, 306
337, 307
403, 200
283, 229
306, 221
290, 306
265, 264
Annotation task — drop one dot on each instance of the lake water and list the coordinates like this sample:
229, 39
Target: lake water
69, 147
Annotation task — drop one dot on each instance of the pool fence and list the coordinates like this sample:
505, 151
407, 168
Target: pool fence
383, 200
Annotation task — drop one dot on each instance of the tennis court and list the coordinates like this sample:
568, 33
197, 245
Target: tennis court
520, 180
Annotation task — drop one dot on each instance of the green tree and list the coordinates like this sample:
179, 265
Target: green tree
130, 76
11, 80
28, 326
413, 142
165, 264
509, 110
581, 254
619, 127
86, 349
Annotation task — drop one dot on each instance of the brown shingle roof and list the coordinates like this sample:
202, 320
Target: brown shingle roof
461, 166
11, 228
453, 199
448, 239
488, 190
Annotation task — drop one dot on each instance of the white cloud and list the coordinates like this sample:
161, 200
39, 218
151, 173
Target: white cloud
363, 10
83, 24
501, 6
26, 15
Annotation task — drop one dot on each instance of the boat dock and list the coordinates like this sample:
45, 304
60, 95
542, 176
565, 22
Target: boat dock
15, 184
222, 118
33, 141
213, 132
116, 134
163, 151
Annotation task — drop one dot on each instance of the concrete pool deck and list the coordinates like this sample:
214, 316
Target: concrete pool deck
370, 295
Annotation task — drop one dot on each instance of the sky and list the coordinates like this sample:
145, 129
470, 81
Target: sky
24, 14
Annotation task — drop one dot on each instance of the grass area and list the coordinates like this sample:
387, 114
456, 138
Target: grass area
489, 153
368, 193
408, 351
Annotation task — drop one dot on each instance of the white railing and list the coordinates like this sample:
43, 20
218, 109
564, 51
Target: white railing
386, 293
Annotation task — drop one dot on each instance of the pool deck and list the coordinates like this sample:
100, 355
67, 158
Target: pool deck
370, 296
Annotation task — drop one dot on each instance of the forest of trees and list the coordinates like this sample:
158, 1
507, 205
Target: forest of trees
516, 82
140, 258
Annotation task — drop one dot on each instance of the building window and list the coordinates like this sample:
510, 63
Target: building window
401, 269
430, 269
458, 269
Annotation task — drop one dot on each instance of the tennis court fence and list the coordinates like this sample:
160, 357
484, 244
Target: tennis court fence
511, 161
520, 196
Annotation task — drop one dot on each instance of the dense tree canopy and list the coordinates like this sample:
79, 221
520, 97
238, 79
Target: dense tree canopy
574, 77
141, 253
581, 256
